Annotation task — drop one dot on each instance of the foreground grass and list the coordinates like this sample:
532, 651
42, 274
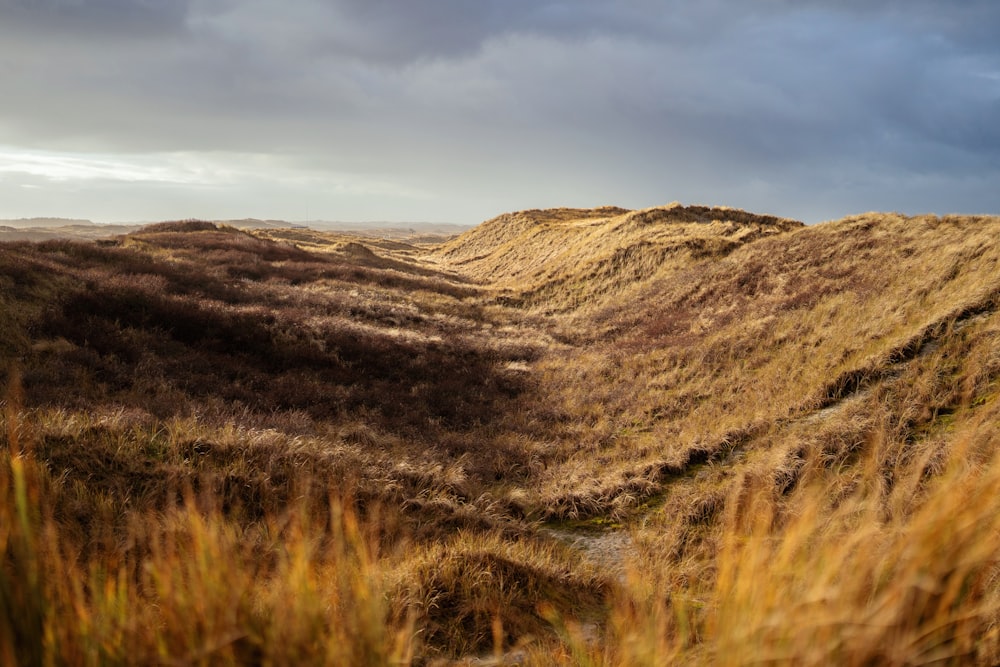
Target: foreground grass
822, 576
191, 588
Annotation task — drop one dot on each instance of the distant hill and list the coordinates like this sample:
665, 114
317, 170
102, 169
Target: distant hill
40, 229
22, 223
81, 231
385, 228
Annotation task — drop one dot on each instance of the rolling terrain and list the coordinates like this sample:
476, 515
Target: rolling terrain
47, 229
572, 436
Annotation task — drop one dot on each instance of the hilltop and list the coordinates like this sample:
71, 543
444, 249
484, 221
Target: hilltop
535, 245
628, 437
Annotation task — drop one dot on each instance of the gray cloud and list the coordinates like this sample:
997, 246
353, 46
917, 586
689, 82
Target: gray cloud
96, 17
471, 107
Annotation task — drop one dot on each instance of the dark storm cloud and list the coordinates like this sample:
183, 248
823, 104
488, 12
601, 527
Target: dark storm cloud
392, 32
806, 105
101, 17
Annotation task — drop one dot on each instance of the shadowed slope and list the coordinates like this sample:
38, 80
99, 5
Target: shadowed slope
213, 326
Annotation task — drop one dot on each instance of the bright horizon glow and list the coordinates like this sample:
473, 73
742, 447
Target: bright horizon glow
64, 167
46, 170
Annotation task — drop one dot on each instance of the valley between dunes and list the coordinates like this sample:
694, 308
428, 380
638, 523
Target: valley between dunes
679, 435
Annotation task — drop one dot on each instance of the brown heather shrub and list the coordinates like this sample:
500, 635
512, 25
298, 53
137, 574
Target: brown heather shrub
179, 226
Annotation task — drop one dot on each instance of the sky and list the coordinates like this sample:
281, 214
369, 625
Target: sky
459, 110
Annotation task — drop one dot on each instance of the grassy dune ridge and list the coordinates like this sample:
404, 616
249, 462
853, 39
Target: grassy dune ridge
608, 437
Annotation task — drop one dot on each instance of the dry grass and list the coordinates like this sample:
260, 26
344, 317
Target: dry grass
295, 447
